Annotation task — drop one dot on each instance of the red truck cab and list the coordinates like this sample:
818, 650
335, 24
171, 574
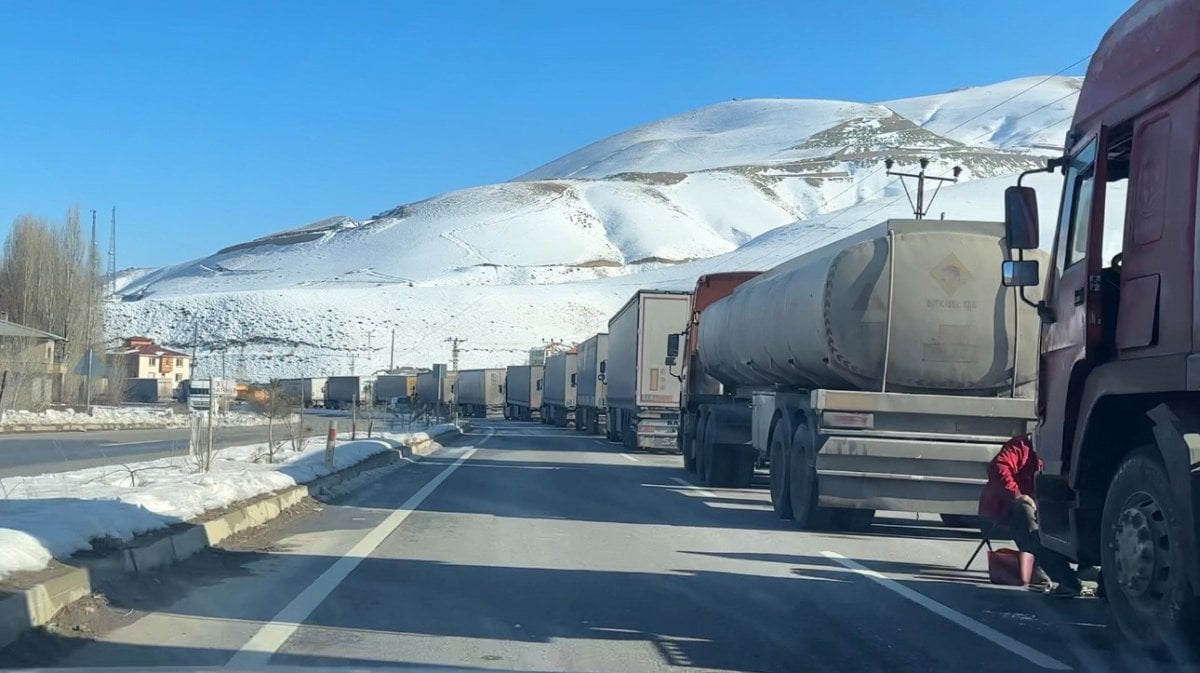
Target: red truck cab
1119, 370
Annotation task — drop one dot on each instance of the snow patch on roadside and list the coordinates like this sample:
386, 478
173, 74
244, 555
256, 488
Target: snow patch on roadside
165, 417
55, 515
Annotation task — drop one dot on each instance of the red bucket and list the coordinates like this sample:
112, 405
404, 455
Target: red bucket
1010, 567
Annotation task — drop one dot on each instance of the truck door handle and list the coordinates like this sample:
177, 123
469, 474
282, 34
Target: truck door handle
1078, 296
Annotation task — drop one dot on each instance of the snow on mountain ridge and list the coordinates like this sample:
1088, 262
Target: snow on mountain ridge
713, 136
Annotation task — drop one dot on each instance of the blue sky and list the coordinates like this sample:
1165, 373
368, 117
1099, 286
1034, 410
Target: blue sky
211, 123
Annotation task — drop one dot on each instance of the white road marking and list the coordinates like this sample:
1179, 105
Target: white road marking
144, 441
693, 488
1012, 645
272, 635
626, 456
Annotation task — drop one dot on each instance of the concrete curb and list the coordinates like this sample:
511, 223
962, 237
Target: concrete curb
33, 607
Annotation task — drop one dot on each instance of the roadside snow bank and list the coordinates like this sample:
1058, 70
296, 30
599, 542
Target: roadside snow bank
102, 416
55, 515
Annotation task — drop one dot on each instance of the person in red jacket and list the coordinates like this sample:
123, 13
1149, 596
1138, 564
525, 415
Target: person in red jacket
1008, 509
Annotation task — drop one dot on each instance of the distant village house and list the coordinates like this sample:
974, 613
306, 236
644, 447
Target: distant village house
154, 372
31, 373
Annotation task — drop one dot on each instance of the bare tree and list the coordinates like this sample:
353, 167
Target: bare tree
117, 373
50, 280
277, 408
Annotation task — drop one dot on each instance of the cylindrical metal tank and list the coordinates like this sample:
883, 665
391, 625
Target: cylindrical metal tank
820, 320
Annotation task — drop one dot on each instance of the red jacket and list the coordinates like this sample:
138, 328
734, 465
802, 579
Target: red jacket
1010, 474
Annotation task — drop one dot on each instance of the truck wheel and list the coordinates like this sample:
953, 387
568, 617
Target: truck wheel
688, 446
743, 468
629, 439
701, 458
1142, 554
781, 498
802, 483
716, 460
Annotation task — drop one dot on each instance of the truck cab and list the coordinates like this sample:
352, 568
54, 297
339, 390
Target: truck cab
1119, 371
697, 386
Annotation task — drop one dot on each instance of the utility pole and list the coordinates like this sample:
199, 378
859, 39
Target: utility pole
370, 333
921, 209
392, 359
89, 339
454, 350
112, 251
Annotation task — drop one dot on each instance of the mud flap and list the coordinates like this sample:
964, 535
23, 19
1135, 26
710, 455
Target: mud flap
1177, 435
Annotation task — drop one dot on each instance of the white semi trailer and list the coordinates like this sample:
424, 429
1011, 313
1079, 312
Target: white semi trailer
478, 392
591, 392
643, 392
558, 396
523, 392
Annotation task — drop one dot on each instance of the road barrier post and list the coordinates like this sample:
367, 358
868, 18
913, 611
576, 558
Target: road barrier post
330, 438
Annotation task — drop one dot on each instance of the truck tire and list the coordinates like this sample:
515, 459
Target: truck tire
581, 424
781, 498
1142, 556
687, 440
802, 483
743, 467
688, 448
629, 439
702, 459
716, 464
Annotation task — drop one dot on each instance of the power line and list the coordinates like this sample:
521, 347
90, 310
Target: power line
454, 351
855, 184
1027, 89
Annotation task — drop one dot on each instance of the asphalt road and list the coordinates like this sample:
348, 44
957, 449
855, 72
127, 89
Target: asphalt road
33, 453
527, 548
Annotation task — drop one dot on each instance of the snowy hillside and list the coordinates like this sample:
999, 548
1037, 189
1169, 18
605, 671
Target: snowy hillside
771, 131
742, 184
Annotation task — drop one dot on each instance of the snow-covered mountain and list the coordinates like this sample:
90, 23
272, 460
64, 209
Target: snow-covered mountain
553, 253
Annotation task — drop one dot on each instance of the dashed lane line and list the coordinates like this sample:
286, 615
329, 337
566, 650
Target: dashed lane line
271, 636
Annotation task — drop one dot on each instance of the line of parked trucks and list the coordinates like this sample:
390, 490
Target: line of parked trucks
884, 371
881, 371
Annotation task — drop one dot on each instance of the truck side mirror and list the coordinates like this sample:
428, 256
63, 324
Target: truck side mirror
539, 384
572, 380
1021, 218
1020, 273
603, 365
